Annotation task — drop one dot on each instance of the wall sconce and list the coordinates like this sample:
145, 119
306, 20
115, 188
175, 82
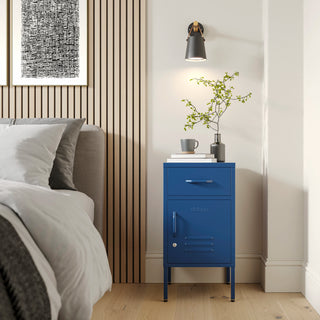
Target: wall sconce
195, 43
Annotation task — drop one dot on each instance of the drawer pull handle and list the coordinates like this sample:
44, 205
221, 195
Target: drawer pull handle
198, 181
174, 224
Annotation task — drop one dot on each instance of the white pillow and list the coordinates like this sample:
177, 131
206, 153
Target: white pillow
27, 152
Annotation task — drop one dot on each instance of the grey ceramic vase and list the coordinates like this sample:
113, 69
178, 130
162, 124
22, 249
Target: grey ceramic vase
218, 148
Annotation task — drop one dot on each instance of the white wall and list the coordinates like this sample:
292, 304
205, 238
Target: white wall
283, 214
233, 33
311, 150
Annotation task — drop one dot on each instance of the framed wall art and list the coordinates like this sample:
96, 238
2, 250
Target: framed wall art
49, 42
3, 43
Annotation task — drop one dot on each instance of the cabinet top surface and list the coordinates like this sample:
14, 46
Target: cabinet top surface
199, 165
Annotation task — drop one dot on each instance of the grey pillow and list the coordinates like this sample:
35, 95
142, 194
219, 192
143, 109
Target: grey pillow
61, 176
29, 152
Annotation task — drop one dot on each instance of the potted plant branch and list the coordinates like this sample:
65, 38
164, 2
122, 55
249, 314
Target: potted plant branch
216, 107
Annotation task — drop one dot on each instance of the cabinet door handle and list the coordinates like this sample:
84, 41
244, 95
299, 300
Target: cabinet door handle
174, 224
198, 181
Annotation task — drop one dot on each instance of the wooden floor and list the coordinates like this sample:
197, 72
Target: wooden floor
201, 302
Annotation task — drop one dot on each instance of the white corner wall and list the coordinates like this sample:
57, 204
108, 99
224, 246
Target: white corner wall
311, 151
234, 42
283, 252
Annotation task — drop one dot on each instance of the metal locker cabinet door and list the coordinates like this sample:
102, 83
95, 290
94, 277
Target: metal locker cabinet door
198, 231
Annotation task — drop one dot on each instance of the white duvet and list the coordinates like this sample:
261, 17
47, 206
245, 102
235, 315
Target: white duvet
72, 247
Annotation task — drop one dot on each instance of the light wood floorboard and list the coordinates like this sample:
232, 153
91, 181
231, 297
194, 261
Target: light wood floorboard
200, 302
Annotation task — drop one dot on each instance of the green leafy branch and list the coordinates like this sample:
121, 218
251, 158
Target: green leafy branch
218, 104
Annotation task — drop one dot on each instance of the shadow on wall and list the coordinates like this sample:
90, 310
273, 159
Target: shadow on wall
285, 220
306, 241
249, 53
248, 212
212, 34
306, 226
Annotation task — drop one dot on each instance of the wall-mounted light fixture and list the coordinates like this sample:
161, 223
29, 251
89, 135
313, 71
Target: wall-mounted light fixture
195, 43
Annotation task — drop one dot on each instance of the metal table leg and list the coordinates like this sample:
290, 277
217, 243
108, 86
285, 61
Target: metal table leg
228, 276
165, 284
232, 285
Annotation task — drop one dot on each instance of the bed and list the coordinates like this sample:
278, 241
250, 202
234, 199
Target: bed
53, 263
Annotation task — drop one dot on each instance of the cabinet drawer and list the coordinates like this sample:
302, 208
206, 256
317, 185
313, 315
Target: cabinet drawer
198, 181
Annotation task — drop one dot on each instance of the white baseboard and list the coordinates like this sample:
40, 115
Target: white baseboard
247, 271
312, 287
281, 275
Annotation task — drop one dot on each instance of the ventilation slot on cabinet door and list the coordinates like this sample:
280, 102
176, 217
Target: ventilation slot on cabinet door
199, 244
199, 250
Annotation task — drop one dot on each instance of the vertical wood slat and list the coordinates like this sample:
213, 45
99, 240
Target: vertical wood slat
130, 141
110, 190
18, 104
11, 90
77, 103
143, 166
71, 102
58, 102
12, 109
32, 101
116, 135
97, 63
84, 102
91, 70
38, 93
6, 100
123, 138
52, 100
64, 102
25, 102
114, 99
136, 143
44, 103
104, 95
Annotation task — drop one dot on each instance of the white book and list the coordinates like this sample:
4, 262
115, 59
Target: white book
192, 160
192, 156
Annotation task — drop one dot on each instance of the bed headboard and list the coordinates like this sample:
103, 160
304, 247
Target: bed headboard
89, 169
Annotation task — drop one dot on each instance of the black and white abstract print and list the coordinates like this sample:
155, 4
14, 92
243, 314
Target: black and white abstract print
50, 38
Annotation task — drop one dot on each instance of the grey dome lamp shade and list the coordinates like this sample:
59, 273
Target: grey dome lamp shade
195, 43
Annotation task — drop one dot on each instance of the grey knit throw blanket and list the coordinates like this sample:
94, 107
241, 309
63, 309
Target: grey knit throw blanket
23, 294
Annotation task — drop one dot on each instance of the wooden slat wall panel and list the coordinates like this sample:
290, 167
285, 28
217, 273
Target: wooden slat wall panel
65, 102
130, 140
110, 104
123, 138
103, 85
115, 100
44, 103
136, 140
142, 151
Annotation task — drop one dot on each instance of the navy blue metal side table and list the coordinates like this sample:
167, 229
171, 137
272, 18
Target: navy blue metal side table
199, 218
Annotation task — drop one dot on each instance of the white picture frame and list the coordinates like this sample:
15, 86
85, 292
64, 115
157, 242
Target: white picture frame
3, 43
46, 65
